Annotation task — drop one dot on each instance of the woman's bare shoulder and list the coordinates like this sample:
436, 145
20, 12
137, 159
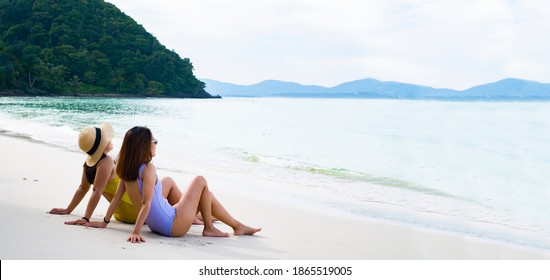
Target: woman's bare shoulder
149, 169
106, 162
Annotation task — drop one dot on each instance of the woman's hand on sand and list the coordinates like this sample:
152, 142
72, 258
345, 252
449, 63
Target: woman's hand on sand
79, 222
135, 238
59, 211
96, 224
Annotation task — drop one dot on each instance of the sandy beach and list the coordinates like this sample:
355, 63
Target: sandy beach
36, 177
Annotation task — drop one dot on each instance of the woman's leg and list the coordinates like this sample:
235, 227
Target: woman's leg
170, 190
196, 197
172, 193
219, 212
238, 228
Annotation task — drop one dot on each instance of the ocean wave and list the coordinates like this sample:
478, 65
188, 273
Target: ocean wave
74, 105
15, 134
335, 172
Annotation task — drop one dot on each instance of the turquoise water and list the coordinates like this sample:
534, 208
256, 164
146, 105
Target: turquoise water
478, 163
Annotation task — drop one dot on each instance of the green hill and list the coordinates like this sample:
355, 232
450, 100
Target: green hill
52, 47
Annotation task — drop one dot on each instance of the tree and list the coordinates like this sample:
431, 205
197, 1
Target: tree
63, 46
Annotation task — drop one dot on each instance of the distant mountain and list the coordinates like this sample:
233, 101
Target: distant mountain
510, 88
265, 88
371, 88
389, 89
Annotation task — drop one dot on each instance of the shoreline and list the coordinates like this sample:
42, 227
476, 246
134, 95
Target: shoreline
37, 177
328, 96
40, 93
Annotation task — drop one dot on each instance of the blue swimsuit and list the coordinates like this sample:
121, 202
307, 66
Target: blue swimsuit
161, 215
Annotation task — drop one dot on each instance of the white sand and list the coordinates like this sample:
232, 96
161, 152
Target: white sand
36, 177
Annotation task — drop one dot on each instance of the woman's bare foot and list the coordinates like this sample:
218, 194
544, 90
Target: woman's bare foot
196, 221
245, 230
213, 232
199, 219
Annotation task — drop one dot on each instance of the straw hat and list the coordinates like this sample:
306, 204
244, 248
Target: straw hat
93, 140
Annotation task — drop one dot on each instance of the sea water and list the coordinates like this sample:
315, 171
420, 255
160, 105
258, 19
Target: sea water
454, 166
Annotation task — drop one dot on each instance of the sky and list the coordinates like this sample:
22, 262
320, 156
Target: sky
453, 44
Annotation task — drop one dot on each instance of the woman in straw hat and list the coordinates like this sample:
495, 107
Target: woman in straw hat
140, 179
99, 170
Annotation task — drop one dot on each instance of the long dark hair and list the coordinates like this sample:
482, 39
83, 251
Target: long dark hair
135, 150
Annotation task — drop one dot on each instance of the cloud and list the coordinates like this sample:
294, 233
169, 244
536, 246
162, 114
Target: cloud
448, 43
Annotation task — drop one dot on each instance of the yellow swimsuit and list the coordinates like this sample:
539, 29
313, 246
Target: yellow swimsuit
125, 212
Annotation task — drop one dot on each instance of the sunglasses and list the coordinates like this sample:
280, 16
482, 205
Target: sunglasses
155, 141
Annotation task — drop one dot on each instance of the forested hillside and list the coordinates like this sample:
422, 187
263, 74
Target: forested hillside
86, 46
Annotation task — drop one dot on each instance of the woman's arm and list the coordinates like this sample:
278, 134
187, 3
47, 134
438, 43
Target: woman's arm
121, 189
77, 197
149, 176
104, 170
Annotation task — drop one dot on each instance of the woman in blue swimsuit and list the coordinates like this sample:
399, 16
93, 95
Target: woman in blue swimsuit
139, 178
